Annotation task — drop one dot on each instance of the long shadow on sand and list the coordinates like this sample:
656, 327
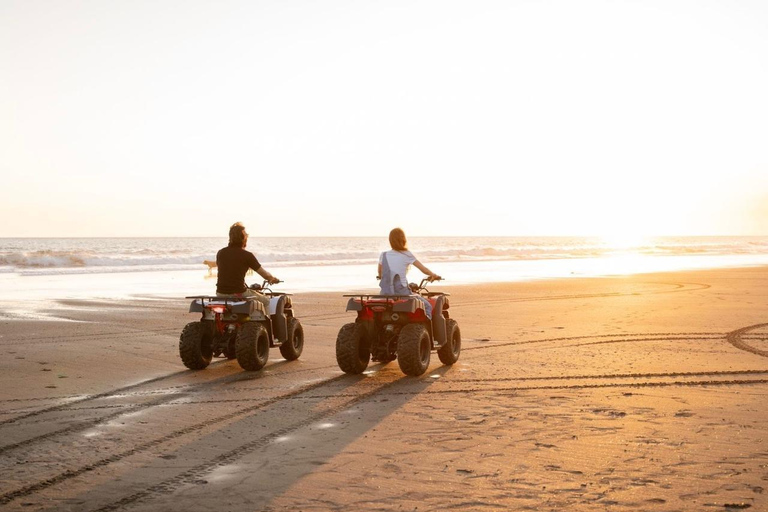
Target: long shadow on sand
256, 458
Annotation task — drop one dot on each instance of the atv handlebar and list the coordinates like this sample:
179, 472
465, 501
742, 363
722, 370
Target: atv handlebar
430, 279
264, 286
422, 286
426, 279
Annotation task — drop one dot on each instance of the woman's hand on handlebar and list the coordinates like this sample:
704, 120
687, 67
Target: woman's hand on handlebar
434, 277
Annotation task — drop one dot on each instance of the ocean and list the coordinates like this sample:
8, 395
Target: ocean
47, 256
47, 269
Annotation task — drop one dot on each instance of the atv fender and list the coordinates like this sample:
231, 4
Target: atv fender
354, 305
279, 321
438, 321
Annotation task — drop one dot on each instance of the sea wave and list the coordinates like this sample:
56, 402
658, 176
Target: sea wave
79, 259
60, 256
38, 260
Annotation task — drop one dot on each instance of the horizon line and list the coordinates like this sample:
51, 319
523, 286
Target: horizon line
377, 236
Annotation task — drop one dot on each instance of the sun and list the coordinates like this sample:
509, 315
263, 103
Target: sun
624, 241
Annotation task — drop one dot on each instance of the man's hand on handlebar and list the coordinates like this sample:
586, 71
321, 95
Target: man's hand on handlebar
273, 280
434, 277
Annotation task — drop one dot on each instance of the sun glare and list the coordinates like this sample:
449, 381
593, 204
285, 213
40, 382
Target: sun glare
624, 241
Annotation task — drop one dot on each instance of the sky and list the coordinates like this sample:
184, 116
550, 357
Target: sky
347, 118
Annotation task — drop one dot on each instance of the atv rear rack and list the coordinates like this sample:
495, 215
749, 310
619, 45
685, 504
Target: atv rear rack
393, 297
219, 299
370, 296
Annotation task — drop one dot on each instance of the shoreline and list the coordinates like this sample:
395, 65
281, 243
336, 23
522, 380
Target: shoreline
42, 287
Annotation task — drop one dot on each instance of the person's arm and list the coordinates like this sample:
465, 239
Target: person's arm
255, 265
424, 269
266, 275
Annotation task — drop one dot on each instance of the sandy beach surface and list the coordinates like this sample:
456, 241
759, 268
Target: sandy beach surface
647, 392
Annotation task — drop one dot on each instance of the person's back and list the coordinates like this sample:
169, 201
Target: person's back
394, 267
233, 263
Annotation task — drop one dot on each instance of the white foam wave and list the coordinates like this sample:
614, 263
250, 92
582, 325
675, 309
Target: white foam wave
59, 256
79, 259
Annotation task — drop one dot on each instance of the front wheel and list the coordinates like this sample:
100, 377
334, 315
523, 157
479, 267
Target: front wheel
352, 352
413, 349
292, 348
196, 345
449, 353
252, 346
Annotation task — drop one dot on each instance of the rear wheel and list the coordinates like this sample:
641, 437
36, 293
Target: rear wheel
352, 352
449, 353
291, 349
413, 349
196, 345
252, 346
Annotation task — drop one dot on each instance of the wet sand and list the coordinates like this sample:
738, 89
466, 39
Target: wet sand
635, 393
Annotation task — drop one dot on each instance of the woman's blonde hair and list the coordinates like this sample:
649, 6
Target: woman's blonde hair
397, 240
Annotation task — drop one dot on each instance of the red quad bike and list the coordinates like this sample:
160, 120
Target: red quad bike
241, 328
390, 327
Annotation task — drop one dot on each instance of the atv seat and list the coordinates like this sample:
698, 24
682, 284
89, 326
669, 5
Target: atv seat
376, 302
397, 303
408, 305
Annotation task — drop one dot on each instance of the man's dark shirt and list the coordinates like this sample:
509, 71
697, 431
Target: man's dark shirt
233, 262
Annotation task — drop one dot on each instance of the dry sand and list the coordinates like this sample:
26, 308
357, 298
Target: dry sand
636, 393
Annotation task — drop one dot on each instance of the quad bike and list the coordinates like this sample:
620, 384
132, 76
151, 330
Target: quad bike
390, 327
241, 328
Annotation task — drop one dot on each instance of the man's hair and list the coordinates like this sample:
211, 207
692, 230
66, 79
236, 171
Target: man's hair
397, 240
237, 236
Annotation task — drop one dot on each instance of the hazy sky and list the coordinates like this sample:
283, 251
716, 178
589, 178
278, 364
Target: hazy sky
157, 118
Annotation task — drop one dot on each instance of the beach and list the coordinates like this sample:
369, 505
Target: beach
642, 392
587, 180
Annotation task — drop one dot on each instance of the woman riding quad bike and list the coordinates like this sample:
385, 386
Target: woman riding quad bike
392, 327
405, 322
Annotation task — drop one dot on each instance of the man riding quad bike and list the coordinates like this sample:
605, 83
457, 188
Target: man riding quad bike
390, 327
242, 328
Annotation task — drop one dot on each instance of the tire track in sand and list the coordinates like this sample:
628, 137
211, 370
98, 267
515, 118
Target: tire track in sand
168, 486
736, 338
72, 473
165, 399
655, 336
679, 287
473, 391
